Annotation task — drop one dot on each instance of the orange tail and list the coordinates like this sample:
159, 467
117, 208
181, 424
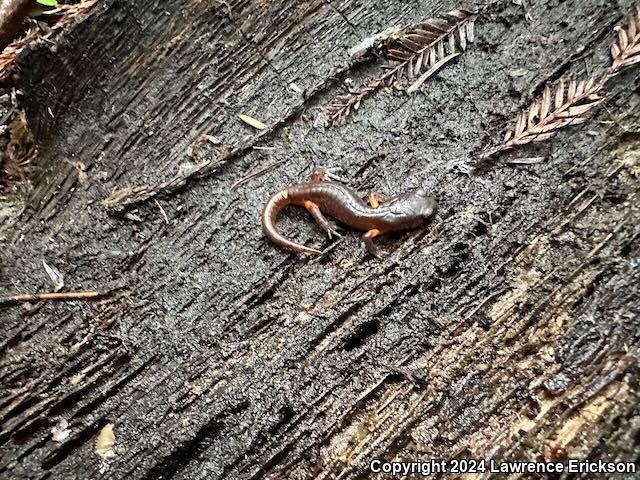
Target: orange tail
269, 214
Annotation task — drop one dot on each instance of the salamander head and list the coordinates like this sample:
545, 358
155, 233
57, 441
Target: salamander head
425, 205
410, 210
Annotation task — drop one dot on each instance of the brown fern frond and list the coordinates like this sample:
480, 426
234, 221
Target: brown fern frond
626, 51
564, 105
416, 54
427, 47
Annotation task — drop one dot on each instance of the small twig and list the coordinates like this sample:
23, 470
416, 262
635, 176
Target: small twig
525, 161
164, 215
242, 181
38, 297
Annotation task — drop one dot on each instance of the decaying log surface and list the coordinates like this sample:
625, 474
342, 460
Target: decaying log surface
510, 323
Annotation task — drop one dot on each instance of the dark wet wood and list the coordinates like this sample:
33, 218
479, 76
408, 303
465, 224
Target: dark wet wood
511, 322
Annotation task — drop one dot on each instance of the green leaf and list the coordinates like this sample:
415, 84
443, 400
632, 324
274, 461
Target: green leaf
252, 121
48, 3
286, 138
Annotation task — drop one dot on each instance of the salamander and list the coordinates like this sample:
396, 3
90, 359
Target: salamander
323, 197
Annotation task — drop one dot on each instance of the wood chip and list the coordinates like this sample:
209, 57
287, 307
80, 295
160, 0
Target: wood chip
105, 442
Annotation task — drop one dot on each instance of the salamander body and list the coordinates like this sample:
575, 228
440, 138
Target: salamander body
320, 197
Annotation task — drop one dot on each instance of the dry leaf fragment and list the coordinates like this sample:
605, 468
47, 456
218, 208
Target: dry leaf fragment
105, 442
57, 278
133, 217
252, 121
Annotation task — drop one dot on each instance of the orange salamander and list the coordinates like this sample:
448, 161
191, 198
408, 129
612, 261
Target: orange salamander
319, 196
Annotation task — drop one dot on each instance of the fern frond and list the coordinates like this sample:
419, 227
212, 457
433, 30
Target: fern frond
626, 51
427, 47
566, 104
417, 54
344, 104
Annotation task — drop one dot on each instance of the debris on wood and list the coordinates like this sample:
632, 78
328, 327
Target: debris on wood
626, 51
559, 107
570, 101
418, 51
61, 431
105, 442
12, 15
133, 217
16, 163
164, 214
9, 49
57, 278
16, 299
366, 46
525, 161
81, 168
125, 195
246, 179
285, 136
257, 124
554, 451
296, 88
199, 140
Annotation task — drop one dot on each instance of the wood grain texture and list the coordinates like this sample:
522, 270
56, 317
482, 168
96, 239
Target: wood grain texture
512, 320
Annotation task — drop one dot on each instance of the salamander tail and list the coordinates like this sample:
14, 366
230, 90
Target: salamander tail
269, 215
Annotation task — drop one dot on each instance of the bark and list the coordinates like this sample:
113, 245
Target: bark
511, 322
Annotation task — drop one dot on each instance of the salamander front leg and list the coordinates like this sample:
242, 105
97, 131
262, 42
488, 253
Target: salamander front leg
317, 175
320, 219
322, 174
368, 237
375, 199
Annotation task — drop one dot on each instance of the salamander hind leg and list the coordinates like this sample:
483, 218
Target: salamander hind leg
368, 237
320, 219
